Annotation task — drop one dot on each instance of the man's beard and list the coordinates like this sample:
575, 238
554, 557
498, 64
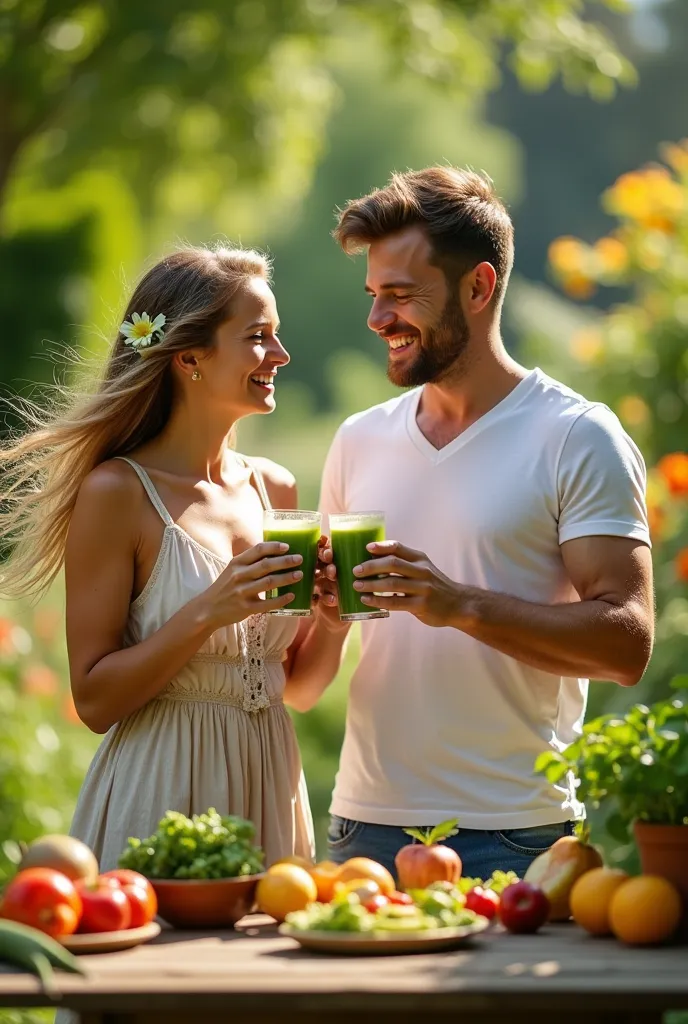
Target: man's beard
441, 349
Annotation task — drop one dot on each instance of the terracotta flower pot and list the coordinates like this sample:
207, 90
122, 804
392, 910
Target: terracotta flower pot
663, 851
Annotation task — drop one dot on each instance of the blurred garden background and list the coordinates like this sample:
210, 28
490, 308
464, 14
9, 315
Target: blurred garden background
126, 128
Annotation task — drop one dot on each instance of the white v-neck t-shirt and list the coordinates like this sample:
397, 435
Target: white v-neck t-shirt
440, 724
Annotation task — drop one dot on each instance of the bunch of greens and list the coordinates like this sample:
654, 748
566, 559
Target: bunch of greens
635, 765
202, 847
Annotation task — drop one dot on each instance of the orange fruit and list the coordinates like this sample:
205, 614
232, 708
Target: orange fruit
645, 910
300, 862
285, 887
363, 867
325, 874
591, 896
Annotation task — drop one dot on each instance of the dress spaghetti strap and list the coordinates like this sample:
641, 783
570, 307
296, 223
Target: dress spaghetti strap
150, 490
260, 483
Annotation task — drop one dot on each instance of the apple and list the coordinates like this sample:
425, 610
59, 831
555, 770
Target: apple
421, 863
558, 869
523, 908
483, 901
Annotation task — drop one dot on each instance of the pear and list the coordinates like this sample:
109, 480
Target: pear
556, 871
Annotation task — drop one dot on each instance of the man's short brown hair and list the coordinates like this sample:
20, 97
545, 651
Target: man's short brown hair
464, 219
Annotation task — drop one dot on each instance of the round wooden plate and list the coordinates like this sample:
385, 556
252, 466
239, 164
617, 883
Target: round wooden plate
110, 942
384, 943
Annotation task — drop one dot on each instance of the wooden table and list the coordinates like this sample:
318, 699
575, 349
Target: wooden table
254, 975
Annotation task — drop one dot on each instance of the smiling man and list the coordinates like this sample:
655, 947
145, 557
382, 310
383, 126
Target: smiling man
521, 551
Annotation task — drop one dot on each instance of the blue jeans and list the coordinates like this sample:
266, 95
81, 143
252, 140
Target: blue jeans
481, 852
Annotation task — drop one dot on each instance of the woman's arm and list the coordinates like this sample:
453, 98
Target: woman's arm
315, 655
109, 681
314, 660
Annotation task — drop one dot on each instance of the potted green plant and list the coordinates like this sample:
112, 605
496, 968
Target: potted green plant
634, 768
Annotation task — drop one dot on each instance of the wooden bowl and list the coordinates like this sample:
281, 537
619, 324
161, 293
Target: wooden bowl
212, 903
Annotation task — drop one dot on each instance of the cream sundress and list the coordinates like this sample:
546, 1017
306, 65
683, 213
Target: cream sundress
218, 735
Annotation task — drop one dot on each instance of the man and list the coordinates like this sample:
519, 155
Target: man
521, 550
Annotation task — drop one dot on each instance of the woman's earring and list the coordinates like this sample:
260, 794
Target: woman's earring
196, 375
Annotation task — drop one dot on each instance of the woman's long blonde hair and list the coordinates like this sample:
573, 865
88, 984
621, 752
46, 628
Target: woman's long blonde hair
43, 468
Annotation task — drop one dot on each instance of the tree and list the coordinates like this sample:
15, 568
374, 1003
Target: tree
159, 89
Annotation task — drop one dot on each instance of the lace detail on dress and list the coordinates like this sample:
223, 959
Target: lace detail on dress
252, 640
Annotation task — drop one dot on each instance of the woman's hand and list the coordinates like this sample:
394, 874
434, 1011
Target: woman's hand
235, 594
325, 593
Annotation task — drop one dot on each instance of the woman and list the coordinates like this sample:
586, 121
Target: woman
158, 522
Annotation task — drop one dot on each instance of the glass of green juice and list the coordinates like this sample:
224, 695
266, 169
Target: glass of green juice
301, 531
350, 533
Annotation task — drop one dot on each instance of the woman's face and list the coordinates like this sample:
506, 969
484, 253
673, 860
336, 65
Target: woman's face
239, 372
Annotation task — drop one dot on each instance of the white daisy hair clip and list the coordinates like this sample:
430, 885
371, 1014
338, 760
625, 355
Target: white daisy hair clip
141, 332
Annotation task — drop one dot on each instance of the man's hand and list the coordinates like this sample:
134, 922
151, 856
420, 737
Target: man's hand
325, 594
607, 634
418, 586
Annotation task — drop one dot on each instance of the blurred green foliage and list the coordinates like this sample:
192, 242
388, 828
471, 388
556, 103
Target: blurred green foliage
247, 83
44, 750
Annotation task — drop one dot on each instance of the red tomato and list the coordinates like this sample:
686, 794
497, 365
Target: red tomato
483, 901
143, 903
124, 876
375, 902
43, 899
401, 899
106, 908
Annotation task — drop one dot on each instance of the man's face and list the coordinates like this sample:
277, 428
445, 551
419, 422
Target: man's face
413, 311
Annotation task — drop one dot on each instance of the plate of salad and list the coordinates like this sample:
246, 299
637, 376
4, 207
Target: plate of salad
435, 919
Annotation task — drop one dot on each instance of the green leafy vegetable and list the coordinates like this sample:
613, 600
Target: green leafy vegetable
202, 847
430, 836
498, 881
634, 765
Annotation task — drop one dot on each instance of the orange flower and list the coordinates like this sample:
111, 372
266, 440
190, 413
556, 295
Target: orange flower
656, 517
681, 564
566, 254
578, 286
628, 195
612, 255
676, 155
633, 411
674, 469
6, 631
14, 639
69, 710
40, 681
651, 197
586, 345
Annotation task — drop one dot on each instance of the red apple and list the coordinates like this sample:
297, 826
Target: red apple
483, 901
420, 864
523, 908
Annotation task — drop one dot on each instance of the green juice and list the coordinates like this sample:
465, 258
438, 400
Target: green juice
349, 544
302, 539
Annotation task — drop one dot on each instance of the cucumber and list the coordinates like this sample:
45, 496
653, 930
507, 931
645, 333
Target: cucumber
37, 953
